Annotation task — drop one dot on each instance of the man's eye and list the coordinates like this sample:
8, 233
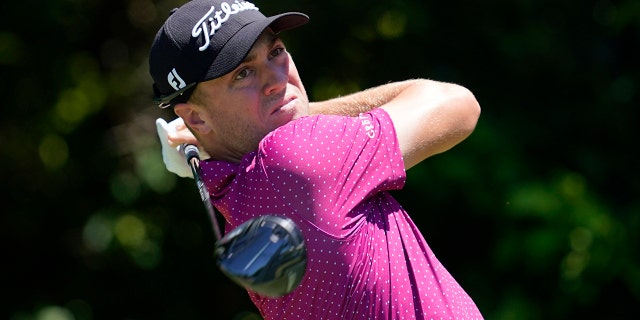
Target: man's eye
243, 74
276, 52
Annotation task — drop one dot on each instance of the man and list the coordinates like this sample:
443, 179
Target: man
326, 165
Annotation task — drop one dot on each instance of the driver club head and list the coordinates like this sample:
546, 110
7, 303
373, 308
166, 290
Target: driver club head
266, 255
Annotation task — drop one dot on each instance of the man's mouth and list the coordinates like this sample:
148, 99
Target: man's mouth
287, 104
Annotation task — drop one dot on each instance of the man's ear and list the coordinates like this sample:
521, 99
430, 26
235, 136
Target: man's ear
192, 117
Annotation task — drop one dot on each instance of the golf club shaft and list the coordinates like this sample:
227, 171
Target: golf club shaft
192, 154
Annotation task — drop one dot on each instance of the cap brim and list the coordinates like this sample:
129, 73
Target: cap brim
287, 21
164, 101
237, 48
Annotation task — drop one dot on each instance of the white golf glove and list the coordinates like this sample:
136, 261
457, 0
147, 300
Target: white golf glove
174, 158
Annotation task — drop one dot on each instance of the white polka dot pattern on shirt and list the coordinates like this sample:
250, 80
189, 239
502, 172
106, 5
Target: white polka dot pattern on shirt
366, 258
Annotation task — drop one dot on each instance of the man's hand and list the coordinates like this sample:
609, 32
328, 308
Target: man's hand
173, 136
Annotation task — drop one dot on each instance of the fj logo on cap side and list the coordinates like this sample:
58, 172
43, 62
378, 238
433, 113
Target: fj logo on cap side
175, 81
213, 20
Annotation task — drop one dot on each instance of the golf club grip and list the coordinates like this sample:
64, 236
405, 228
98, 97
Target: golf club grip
192, 154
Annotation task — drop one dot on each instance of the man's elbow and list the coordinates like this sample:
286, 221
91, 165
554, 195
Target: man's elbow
470, 112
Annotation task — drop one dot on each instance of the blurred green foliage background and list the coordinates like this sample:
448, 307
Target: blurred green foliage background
536, 214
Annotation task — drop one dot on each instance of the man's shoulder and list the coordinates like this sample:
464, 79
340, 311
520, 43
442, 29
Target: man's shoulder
307, 126
323, 129
305, 139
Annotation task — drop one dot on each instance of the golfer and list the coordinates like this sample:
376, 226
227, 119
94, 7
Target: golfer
328, 165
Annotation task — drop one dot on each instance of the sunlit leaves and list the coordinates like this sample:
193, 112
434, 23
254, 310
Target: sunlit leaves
151, 168
125, 187
126, 231
563, 218
392, 24
85, 97
98, 233
53, 151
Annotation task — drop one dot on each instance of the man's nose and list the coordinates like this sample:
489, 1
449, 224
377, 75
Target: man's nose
275, 79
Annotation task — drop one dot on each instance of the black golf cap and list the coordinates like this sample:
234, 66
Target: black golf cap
206, 39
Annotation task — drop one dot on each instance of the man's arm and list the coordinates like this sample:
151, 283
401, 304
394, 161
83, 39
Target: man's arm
430, 117
362, 101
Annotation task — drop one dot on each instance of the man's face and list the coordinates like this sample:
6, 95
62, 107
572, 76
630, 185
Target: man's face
263, 93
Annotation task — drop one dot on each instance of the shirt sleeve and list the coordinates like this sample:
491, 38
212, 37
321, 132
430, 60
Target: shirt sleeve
324, 167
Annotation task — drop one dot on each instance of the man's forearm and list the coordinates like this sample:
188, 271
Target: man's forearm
362, 101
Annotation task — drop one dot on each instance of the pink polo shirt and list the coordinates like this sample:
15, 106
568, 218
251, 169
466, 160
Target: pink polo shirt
366, 258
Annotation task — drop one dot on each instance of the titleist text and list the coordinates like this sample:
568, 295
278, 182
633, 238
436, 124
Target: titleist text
213, 20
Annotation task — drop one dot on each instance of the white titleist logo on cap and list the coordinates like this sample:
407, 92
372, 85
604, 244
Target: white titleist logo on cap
213, 19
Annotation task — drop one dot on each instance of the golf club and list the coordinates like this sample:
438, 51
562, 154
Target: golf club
266, 255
